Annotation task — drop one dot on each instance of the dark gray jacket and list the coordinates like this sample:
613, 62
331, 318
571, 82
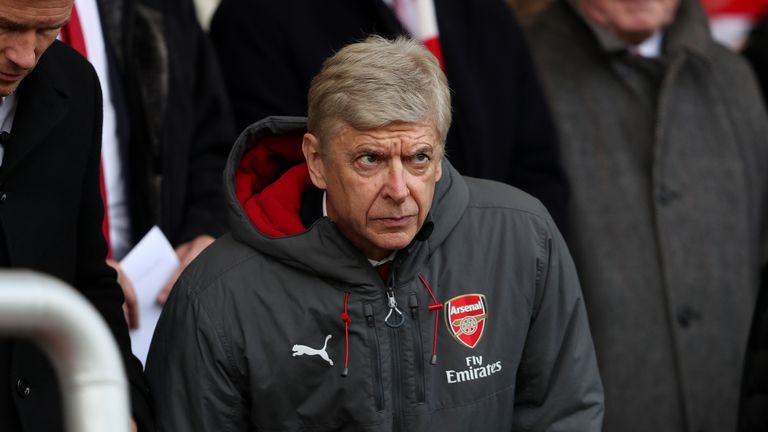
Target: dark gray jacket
253, 336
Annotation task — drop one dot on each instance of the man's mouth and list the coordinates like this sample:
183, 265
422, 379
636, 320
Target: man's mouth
10, 77
396, 221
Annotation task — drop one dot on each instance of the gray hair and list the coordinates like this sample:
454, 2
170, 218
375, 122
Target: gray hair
377, 82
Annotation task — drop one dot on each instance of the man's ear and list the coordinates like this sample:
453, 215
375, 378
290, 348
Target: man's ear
310, 145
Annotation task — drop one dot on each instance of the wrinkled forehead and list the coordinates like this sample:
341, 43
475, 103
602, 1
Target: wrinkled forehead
35, 13
341, 133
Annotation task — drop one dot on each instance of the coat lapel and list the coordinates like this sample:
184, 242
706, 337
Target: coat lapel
42, 103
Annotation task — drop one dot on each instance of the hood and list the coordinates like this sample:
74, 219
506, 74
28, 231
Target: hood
264, 180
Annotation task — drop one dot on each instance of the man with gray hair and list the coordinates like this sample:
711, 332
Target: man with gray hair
366, 285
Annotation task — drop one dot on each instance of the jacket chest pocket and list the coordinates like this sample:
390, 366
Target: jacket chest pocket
435, 374
307, 390
475, 360
462, 378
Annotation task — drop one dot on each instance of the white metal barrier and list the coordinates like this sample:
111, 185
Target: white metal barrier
76, 338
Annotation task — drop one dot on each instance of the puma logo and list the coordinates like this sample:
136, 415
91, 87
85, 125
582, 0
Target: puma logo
299, 350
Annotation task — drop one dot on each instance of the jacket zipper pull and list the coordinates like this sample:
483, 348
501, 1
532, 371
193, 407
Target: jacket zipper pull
418, 348
398, 319
414, 304
368, 309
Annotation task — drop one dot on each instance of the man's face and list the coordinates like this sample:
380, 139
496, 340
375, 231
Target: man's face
27, 29
379, 182
632, 20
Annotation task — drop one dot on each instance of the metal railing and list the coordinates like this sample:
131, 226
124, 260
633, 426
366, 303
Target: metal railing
75, 337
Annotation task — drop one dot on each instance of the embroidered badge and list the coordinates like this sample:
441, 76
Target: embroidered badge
465, 317
300, 350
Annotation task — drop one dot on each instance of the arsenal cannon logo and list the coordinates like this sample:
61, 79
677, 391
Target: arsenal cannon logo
465, 317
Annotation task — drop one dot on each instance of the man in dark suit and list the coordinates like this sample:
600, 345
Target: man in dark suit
50, 204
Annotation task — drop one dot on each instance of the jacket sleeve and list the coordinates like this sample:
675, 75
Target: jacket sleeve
97, 281
559, 386
189, 368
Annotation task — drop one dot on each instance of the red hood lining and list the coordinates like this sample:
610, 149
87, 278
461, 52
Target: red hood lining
270, 181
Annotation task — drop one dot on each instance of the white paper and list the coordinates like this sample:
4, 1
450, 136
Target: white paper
149, 265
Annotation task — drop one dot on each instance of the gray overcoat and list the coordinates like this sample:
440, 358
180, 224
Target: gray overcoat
667, 161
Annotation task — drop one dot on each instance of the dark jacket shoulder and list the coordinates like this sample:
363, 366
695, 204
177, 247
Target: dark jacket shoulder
492, 194
65, 67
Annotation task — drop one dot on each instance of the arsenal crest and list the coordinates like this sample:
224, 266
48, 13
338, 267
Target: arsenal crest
465, 317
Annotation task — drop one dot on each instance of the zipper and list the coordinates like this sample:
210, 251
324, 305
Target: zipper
418, 349
394, 332
378, 387
397, 403
395, 317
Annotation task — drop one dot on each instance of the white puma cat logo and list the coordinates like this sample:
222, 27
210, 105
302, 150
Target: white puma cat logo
299, 350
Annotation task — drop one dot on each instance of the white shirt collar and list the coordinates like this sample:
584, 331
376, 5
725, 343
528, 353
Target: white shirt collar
7, 114
651, 47
390, 257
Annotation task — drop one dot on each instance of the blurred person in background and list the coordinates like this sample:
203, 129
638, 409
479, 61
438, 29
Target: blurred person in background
665, 141
50, 205
167, 125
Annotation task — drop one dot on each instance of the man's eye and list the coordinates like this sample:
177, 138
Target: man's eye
420, 159
369, 159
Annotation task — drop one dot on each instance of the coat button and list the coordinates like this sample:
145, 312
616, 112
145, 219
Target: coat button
686, 315
666, 195
23, 388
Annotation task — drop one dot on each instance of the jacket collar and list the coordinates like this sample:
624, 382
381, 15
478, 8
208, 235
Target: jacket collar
43, 101
690, 31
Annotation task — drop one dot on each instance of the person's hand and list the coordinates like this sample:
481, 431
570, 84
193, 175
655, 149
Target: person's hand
134, 428
186, 253
131, 304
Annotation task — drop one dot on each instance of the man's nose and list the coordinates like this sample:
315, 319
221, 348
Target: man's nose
397, 188
22, 51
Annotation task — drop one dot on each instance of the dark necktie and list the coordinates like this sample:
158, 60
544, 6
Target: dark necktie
383, 270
